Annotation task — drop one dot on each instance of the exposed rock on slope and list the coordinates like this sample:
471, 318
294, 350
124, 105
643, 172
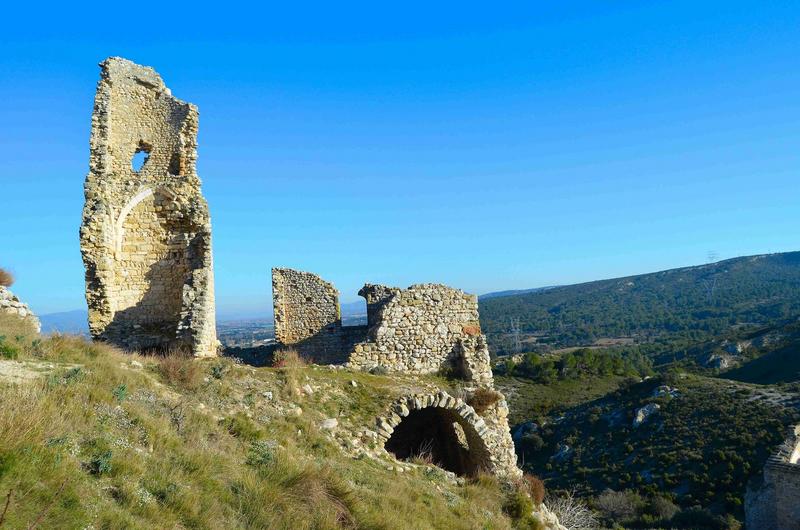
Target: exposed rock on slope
9, 303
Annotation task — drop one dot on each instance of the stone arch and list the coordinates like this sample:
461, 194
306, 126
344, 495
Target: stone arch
452, 434
153, 238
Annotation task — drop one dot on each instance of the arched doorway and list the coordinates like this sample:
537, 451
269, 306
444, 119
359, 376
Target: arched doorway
439, 430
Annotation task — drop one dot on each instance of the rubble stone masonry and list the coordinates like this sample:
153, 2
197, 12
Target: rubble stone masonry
771, 501
146, 231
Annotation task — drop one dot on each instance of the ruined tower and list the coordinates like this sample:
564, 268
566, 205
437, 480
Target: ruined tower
146, 230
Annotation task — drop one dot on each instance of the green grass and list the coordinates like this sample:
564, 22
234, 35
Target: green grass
101, 441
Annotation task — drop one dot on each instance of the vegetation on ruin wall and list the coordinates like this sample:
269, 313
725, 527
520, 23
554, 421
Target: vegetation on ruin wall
689, 304
111, 440
696, 453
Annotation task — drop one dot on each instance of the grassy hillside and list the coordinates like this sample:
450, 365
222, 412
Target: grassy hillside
693, 456
94, 438
688, 304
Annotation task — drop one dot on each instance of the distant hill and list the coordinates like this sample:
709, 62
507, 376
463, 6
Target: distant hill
73, 322
690, 303
498, 294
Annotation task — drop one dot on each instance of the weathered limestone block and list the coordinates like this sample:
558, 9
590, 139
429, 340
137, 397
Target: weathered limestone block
146, 230
12, 305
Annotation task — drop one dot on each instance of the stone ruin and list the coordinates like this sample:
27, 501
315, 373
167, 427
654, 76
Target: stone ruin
146, 246
425, 329
10, 304
771, 501
146, 230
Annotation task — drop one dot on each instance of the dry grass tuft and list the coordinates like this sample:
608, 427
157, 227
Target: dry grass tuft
28, 419
483, 399
288, 358
180, 369
535, 488
6, 278
326, 493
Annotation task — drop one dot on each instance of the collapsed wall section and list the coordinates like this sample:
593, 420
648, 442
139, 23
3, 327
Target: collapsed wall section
426, 328
146, 229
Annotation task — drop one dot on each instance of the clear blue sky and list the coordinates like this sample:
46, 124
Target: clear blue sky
484, 145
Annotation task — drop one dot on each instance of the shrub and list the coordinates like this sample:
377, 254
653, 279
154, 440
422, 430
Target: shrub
618, 505
8, 350
100, 464
483, 398
535, 488
662, 508
260, 454
571, 512
6, 278
180, 369
518, 505
288, 358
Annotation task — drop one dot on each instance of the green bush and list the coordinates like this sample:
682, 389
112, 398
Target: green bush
261, 454
8, 350
100, 464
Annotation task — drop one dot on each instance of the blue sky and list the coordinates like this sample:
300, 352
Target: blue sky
486, 146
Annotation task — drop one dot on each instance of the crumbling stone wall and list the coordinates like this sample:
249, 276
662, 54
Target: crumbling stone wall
426, 328
771, 499
308, 316
146, 231
12, 305
376, 297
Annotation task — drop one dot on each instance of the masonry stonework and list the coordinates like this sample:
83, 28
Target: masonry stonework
146, 230
308, 316
771, 501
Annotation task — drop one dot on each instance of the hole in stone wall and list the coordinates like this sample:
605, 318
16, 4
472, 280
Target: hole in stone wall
437, 436
140, 157
175, 164
354, 313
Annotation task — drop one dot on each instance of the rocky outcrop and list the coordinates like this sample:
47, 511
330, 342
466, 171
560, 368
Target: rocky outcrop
146, 230
12, 305
644, 413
